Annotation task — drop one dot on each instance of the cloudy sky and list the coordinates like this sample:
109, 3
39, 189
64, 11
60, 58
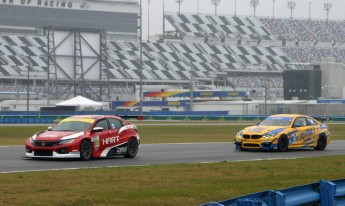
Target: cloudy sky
243, 8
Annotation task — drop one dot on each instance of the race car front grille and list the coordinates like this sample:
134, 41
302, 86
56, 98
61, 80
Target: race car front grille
44, 153
256, 136
247, 136
45, 144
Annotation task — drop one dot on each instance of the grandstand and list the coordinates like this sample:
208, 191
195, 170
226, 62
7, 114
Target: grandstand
247, 50
62, 45
219, 27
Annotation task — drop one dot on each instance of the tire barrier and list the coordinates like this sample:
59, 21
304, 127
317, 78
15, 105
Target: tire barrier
323, 193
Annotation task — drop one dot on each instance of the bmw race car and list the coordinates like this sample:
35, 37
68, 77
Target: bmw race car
284, 131
85, 137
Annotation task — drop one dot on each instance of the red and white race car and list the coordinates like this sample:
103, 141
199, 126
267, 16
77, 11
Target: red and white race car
85, 137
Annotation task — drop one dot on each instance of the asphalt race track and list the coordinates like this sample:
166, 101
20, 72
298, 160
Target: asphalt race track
12, 157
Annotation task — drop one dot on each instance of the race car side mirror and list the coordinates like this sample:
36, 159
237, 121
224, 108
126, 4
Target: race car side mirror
50, 128
97, 129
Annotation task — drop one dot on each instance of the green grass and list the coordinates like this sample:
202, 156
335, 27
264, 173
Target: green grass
180, 184
16, 135
178, 132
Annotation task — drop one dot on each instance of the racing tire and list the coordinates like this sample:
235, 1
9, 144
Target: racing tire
132, 148
321, 143
283, 144
85, 150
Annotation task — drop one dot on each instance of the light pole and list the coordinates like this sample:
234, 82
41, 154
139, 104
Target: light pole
215, 3
197, 7
141, 61
327, 7
148, 19
179, 5
163, 3
309, 9
274, 1
291, 5
191, 86
27, 89
28, 66
235, 7
254, 4
266, 89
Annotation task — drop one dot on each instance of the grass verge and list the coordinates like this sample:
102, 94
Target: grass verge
180, 184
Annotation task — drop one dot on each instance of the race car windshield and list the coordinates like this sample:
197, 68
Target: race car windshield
276, 121
77, 126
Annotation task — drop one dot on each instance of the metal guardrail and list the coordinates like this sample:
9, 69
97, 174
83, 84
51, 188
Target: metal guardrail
323, 193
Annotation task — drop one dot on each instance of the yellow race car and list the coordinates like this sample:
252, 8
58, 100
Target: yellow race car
285, 131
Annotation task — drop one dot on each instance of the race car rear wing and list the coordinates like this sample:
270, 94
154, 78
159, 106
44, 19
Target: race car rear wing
322, 119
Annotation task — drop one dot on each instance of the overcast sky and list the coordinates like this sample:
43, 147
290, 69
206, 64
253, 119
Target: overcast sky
243, 8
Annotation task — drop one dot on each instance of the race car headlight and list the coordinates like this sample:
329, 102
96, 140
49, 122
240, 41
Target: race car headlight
269, 136
239, 135
67, 141
70, 138
32, 139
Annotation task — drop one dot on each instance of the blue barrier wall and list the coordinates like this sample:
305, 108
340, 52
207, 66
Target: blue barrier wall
48, 117
323, 193
170, 116
70, 113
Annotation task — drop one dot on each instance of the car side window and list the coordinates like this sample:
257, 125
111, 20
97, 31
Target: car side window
115, 123
311, 121
102, 123
301, 122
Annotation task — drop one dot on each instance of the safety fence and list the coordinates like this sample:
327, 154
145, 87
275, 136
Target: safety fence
47, 118
323, 193
28, 120
42, 119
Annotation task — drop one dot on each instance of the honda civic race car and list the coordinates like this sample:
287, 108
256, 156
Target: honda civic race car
284, 131
85, 137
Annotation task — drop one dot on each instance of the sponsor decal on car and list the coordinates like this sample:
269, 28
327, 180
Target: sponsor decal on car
110, 140
95, 140
78, 120
121, 150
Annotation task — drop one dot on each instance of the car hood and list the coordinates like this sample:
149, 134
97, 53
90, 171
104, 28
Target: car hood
262, 130
56, 135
